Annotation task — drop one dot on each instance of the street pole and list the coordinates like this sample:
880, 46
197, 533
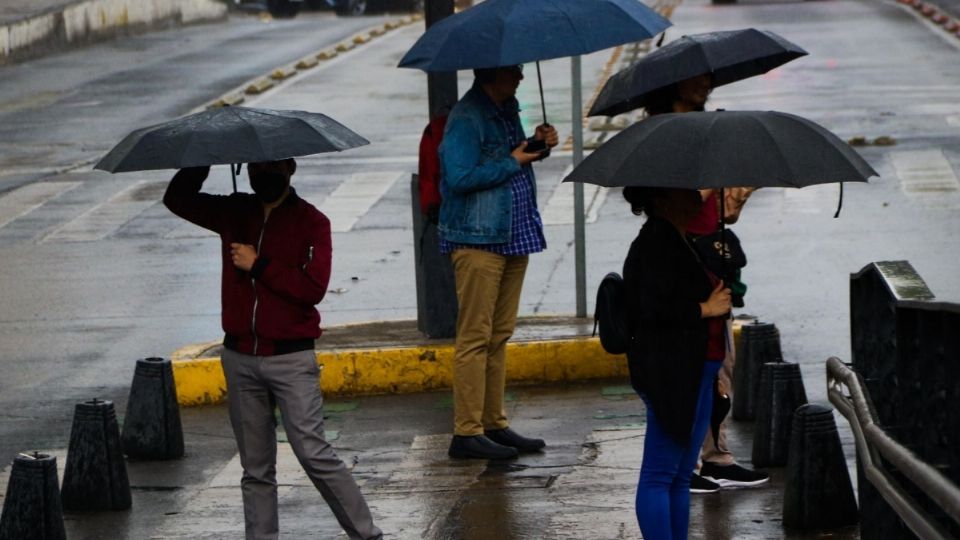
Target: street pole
441, 87
436, 288
579, 224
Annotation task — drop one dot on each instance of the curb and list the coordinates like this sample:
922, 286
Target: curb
935, 15
402, 370
264, 83
346, 371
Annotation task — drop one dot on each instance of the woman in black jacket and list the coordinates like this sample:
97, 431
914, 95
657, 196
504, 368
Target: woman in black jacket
676, 313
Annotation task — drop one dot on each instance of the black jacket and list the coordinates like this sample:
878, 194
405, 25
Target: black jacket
665, 284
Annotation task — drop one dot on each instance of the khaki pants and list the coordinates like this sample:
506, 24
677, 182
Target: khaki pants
719, 453
488, 292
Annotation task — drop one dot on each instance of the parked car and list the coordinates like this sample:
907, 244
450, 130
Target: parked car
360, 7
285, 9
281, 9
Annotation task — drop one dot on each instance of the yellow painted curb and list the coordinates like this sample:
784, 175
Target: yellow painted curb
360, 39
259, 86
307, 63
327, 54
200, 381
377, 32
232, 99
283, 73
344, 46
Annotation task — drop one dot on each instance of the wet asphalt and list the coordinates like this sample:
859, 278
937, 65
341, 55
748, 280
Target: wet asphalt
80, 308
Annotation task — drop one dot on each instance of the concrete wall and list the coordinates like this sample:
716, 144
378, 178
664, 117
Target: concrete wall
93, 20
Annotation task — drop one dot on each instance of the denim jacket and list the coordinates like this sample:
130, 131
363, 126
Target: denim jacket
476, 170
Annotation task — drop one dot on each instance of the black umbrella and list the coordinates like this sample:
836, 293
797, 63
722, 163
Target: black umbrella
728, 56
719, 149
229, 135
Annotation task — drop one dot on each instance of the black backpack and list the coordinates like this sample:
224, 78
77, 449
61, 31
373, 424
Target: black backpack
611, 315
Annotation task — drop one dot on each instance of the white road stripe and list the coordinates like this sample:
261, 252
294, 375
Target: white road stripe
355, 196
25, 199
811, 199
924, 172
559, 208
107, 217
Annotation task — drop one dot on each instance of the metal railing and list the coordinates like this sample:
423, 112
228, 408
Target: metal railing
874, 446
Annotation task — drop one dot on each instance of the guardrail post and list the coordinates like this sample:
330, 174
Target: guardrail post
874, 293
928, 370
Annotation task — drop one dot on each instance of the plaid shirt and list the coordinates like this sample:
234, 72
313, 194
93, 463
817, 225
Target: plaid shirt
526, 227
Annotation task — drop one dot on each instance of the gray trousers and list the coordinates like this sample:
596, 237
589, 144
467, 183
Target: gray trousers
291, 381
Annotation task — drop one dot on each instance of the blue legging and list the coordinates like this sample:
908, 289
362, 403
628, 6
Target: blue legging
663, 494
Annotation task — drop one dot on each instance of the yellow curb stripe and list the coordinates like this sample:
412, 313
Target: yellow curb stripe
200, 381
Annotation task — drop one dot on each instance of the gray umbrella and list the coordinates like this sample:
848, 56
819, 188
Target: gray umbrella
723, 149
728, 56
229, 135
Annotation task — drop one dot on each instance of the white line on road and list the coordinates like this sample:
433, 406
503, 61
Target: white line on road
559, 208
355, 196
25, 199
924, 172
107, 217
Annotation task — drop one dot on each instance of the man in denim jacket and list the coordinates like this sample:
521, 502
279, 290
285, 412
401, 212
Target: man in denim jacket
489, 224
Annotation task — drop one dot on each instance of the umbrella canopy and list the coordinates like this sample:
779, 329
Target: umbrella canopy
499, 33
719, 149
728, 56
229, 135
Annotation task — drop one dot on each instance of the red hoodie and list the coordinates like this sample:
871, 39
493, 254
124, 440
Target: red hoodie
270, 309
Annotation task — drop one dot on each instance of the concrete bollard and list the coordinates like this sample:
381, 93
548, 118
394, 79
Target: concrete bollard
151, 428
759, 344
95, 476
818, 495
32, 508
781, 392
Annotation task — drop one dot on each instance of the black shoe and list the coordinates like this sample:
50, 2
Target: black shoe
478, 447
732, 475
509, 437
699, 484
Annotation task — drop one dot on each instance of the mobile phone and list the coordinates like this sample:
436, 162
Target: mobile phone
535, 145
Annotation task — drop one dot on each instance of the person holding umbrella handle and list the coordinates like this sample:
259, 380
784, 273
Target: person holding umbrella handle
276, 250
489, 225
719, 467
676, 310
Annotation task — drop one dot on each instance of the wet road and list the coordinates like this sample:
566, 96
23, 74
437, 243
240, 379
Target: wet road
96, 273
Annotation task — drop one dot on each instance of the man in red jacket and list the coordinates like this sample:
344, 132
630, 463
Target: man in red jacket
276, 265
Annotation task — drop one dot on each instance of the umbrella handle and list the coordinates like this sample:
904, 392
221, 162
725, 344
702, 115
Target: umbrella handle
543, 105
839, 203
233, 174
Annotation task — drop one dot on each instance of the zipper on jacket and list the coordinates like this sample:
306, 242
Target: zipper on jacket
256, 299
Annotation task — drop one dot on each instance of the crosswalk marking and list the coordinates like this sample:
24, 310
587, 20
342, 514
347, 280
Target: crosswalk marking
811, 199
924, 172
559, 208
355, 196
107, 217
25, 199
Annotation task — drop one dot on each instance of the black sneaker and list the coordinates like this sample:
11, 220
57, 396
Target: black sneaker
733, 475
511, 438
699, 484
478, 447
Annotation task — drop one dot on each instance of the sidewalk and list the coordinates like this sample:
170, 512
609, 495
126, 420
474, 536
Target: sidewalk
29, 29
581, 487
